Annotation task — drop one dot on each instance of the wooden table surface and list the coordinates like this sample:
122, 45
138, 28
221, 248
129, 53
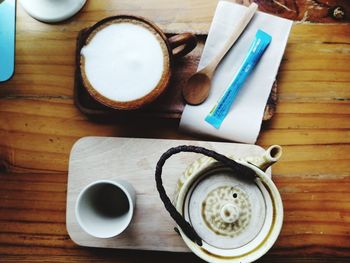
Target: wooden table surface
39, 123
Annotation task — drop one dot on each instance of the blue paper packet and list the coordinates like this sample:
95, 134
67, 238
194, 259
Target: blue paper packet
222, 107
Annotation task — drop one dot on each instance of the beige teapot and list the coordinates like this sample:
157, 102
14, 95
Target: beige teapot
226, 209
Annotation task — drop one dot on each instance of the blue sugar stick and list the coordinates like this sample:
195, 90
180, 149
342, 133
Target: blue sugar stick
222, 107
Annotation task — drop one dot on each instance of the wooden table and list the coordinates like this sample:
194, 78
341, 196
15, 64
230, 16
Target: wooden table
39, 123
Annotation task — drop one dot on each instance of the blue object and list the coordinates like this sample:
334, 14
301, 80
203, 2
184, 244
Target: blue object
256, 50
7, 38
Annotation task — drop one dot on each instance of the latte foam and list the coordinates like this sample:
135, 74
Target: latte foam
123, 61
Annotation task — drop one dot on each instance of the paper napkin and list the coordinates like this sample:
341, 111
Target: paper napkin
243, 122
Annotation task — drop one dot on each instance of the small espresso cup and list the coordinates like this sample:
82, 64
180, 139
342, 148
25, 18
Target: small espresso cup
104, 208
126, 62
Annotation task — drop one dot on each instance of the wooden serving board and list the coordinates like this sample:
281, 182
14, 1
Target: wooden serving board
134, 160
170, 105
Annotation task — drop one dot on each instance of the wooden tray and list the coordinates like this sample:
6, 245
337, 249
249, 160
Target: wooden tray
134, 160
170, 105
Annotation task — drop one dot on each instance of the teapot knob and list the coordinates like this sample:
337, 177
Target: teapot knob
230, 213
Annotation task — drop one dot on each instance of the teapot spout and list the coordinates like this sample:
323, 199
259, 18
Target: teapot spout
271, 155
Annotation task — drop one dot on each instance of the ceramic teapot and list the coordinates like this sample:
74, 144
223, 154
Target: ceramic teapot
226, 209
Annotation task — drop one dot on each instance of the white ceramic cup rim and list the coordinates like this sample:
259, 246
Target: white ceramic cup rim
112, 232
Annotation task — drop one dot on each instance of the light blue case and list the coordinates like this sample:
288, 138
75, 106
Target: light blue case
7, 38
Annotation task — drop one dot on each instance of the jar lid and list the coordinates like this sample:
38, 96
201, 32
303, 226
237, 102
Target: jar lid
231, 214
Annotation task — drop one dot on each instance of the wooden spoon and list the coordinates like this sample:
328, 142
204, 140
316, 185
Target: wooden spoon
198, 86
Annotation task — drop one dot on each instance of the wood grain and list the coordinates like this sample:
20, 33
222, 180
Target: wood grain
39, 124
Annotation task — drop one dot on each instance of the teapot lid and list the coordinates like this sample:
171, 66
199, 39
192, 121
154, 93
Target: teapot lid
231, 214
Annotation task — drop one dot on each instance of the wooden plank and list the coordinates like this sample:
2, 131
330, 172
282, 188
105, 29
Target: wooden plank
312, 206
38, 134
50, 71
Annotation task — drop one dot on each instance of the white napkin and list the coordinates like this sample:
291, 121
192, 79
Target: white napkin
242, 124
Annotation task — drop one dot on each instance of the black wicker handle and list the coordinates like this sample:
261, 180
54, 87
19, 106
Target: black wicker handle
181, 222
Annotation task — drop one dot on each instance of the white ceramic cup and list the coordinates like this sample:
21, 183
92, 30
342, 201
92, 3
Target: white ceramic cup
104, 208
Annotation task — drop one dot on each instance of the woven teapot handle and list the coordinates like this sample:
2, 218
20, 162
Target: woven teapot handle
187, 229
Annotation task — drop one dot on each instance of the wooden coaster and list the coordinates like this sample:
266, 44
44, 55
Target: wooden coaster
134, 160
170, 105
